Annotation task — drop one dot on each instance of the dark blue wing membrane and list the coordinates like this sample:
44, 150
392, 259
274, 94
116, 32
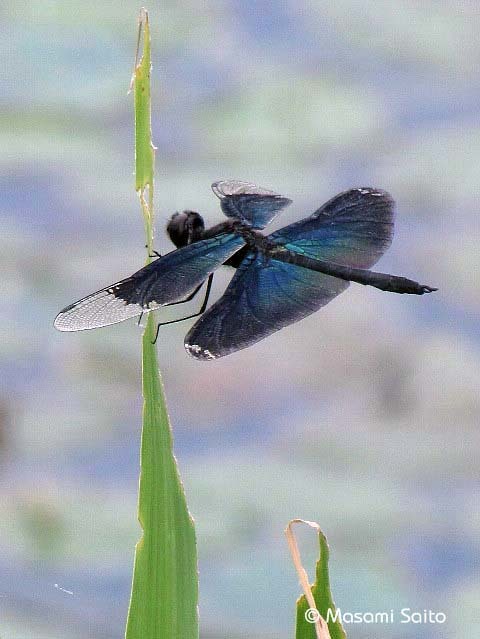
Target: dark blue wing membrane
264, 296
354, 228
248, 203
168, 279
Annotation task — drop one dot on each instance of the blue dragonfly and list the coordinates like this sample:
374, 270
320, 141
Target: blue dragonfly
280, 278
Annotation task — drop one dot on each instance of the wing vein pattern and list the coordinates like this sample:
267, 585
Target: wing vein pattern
168, 279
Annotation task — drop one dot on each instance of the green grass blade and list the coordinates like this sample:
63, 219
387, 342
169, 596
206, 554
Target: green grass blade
320, 591
144, 150
164, 596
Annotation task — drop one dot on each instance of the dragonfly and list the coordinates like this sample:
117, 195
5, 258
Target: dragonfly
279, 279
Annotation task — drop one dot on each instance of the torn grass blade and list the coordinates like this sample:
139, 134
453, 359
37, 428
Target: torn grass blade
316, 617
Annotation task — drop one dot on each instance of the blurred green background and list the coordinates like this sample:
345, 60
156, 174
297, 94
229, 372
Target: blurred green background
363, 417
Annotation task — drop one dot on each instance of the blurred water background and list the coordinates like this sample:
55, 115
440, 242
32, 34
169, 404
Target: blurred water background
363, 417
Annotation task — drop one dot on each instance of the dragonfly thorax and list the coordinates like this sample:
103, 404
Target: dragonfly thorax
252, 237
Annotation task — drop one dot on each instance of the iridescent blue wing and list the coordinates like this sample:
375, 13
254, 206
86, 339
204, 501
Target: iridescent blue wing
265, 295
354, 228
168, 279
249, 203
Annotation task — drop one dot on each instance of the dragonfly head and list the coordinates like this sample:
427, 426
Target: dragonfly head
185, 228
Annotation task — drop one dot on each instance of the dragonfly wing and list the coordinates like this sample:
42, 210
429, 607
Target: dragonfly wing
264, 296
168, 279
354, 228
251, 204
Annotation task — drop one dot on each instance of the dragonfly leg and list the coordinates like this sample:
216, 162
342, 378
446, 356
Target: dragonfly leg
191, 296
154, 253
187, 299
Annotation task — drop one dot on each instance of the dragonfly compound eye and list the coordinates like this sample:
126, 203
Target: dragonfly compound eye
185, 228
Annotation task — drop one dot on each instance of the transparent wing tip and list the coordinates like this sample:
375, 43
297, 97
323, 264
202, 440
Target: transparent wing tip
61, 323
97, 310
224, 188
